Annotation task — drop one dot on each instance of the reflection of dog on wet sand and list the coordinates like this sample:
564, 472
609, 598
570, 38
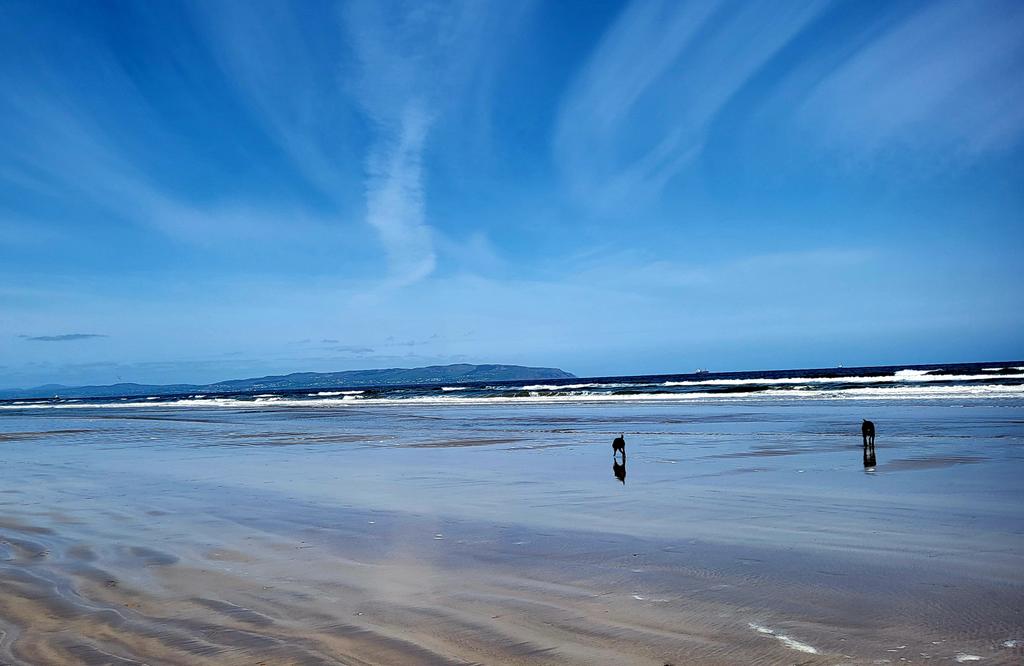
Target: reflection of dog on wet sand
619, 444
619, 470
870, 461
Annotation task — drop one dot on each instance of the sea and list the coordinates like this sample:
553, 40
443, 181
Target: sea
948, 381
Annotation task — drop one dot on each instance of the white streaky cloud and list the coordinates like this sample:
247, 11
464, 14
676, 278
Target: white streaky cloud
640, 110
395, 59
414, 59
394, 199
81, 159
638, 272
225, 223
947, 78
286, 71
73, 153
406, 65
475, 253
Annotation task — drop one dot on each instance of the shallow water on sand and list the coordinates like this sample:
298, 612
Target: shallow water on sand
501, 533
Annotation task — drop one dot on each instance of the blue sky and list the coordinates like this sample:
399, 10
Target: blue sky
199, 191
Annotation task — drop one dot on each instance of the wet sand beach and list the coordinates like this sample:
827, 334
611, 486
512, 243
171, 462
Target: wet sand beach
744, 533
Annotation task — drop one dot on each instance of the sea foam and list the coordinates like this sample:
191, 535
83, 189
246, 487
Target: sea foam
791, 643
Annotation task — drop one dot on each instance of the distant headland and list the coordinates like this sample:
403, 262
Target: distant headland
459, 373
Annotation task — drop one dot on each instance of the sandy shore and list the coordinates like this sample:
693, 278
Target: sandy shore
266, 586
109, 554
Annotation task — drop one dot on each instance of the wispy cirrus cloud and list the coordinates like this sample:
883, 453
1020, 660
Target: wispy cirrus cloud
63, 337
413, 60
284, 61
946, 78
940, 78
640, 109
404, 64
394, 197
64, 145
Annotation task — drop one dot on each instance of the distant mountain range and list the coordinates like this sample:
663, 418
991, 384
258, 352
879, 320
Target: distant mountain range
460, 373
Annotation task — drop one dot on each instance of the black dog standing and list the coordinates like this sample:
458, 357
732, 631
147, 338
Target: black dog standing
619, 470
867, 431
619, 444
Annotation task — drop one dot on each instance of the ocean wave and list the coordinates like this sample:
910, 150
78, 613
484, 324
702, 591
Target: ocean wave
898, 376
573, 387
908, 383
564, 387
909, 392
